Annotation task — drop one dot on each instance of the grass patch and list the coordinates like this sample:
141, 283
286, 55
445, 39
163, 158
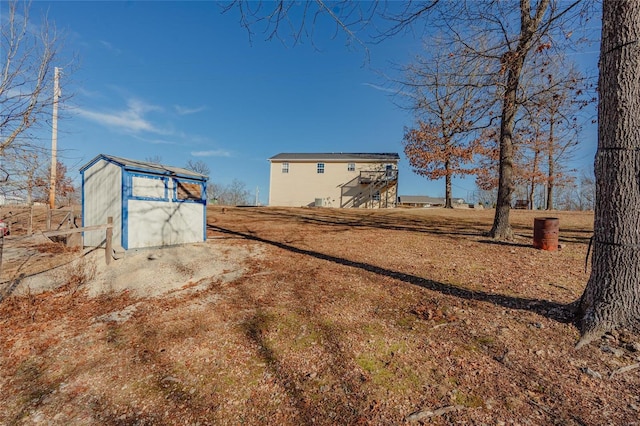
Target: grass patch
467, 400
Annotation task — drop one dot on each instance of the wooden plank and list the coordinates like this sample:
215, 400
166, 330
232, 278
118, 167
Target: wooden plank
108, 248
1, 249
76, 230
189, 191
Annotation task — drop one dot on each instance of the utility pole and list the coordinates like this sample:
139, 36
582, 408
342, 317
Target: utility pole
54, 138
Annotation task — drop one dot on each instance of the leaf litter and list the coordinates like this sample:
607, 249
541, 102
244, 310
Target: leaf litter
331, 317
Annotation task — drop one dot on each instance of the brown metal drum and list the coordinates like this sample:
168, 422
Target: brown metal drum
545, 233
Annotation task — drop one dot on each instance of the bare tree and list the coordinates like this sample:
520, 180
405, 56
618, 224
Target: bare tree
539, 23
291, 21
198, 166
586, 191
555, 92
448, 94
233, 194
26, 82
611, 299
21, 169
512, 29
64, 187
560, 92
155, 159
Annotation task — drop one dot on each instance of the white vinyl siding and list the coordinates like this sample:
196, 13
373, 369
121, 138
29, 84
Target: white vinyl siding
303, 185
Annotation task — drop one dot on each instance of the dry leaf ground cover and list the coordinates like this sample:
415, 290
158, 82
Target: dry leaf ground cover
347, 317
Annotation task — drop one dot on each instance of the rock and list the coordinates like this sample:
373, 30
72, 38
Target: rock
633, 346
590, 372
625, 369
617, 352
118, 316
421, 415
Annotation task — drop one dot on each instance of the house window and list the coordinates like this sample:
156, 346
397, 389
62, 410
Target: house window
285, 167
320, 168
351, 167
376, 196
389, 170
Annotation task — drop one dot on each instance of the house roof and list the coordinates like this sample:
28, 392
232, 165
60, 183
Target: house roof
335, 156
145, 166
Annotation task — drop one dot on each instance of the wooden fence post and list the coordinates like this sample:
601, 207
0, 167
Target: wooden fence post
1, 249
30, 227
108, 246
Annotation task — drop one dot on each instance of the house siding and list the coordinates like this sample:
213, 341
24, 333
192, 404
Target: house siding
302, 185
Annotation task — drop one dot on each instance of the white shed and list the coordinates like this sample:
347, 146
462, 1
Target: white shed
151, 204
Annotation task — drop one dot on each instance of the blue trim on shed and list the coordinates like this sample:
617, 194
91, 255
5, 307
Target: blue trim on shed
164, 179
204, 211
82, 200
203, 188
124, 201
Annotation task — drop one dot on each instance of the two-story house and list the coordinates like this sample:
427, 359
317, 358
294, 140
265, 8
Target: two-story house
364, 180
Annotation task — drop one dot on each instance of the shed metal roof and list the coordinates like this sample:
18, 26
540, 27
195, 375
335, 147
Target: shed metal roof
335, 156
145, 166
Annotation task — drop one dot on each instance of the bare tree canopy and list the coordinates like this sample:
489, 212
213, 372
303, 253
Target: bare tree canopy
448, 94
510, 32
291, 21
26, 84
233, 194
198, 166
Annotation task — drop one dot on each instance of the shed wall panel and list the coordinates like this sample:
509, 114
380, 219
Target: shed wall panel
159, 223
101, 198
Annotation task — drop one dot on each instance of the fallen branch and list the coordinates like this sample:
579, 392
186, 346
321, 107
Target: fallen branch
444, 324
421, 415
625, 369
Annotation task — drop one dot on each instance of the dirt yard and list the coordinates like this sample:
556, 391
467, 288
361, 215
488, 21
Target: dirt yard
313, 316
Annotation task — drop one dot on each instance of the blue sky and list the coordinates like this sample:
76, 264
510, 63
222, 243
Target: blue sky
181, 81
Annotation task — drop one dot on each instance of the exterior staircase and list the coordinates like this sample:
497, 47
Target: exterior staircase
369, 189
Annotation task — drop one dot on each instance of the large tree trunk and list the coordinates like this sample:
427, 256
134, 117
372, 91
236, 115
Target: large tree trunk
551, 167
513, 60
534, 173
447, 192
611, 298
501, 227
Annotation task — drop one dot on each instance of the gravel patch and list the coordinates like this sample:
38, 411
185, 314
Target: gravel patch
150, 272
